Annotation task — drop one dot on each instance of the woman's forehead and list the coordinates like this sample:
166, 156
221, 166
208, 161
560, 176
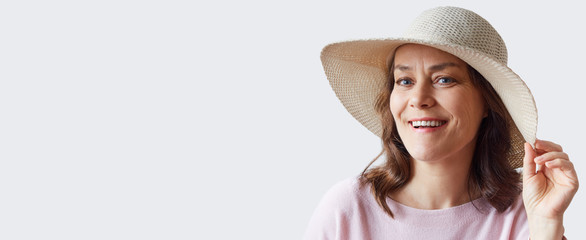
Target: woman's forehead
412, 53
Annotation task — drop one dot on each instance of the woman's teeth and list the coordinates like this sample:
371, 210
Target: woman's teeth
418, 124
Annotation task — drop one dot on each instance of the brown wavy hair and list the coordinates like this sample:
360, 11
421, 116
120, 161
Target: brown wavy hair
490, 173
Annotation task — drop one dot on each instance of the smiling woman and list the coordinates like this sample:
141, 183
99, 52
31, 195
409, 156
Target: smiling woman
455, 123
432, 85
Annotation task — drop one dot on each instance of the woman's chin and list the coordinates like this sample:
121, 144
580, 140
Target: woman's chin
426, 154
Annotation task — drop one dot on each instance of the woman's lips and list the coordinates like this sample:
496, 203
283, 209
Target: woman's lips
427, 125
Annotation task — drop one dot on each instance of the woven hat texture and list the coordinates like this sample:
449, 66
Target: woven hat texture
357, 70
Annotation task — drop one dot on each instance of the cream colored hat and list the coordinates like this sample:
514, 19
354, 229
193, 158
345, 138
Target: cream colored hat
357, 70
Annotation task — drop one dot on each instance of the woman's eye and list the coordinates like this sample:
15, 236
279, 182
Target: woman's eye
404, 82
445, 81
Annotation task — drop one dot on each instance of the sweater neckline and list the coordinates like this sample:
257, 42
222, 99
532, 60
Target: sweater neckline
438, 218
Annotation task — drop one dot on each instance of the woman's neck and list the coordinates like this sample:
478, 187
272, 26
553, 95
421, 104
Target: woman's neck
438, 184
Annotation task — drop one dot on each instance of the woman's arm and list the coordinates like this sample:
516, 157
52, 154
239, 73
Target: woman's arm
547, 193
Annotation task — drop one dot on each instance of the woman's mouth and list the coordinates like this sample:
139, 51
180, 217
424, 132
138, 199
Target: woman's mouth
427, 124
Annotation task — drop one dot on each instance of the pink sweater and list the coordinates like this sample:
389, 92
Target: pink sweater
349, 211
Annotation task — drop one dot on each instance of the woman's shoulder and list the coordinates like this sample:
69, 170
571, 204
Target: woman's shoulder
341, 210
346, 197
346, 186
347, 191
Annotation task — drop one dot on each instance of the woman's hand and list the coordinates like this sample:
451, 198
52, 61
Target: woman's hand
548, 192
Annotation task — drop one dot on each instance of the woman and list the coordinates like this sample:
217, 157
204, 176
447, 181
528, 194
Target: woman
455, 123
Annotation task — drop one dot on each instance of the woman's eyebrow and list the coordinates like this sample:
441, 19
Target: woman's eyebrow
402, 67
442, 66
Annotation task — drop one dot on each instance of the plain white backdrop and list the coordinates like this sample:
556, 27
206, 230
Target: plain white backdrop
191, 120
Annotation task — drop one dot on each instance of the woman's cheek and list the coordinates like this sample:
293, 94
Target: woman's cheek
395, 104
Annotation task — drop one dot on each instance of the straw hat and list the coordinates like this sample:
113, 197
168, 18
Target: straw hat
357, 70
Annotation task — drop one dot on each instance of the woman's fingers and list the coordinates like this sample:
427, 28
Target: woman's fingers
566, 167
562, 164
528, 162
547, 146
551, 156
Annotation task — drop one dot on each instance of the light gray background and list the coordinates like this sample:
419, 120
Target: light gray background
186, 120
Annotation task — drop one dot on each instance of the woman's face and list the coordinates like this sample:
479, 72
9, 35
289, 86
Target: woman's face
434, 103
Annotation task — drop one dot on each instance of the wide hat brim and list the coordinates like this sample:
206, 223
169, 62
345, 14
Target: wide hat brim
357, 71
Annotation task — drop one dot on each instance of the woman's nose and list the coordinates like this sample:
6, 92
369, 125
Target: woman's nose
421, 97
